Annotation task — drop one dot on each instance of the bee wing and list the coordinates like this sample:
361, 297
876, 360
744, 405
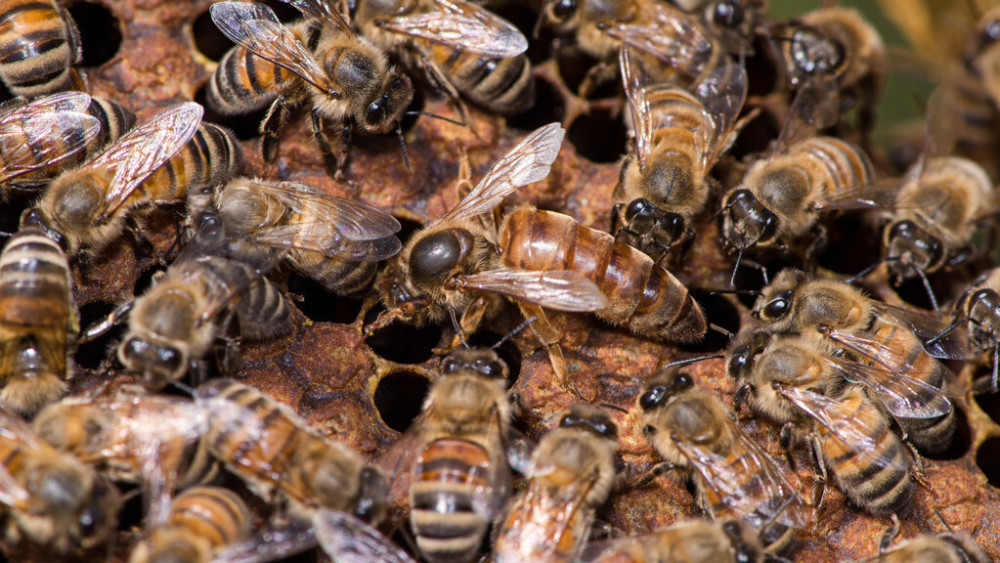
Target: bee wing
463, 26
254, 27
529, 161
45, 132
324, 10
148, 146
951, 345
276, 539
559, 290
667, 34
902, 395
722, 94
338, 227
813, 109
853, 432
347, 539
878, 195
638, 102
760, 499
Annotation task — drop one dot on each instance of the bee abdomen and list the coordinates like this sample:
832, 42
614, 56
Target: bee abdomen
212, 513
344, 277
263, 311
244, 82
35, 290
842, 166
502, 85
931, 435
446, 479
115, 119
38, 46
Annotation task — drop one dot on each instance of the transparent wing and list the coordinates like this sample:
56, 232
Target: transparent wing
722, 94
529, 161
878, 195
928, 329
347, 539
813, 109
335, 226
464, 26
667, 34
323, 10
45, 132
141, 151
854, 432
559, 290
254, 27
273, 541
633, 80
748, 483
903, 396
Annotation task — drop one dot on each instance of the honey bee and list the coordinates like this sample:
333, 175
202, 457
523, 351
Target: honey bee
781, 198
657, 30
731, 22
41, 44
572, 472
888, 338
837, 45
979, 308
461, 478
940, 209
679, 137
334, 240
940, 548
52, 498
273, 451
462, 47
690, 428
984, 58
153, 163
345, 78
201, 522
39, 322
853, 442
38, 136
689, 541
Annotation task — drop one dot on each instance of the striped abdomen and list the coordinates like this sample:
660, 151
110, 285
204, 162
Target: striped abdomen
880, 489
502, 85
115, 119
443, 505
38, 47
642, 296
38, 320
263, 310
244, 82
343, 277
833, 166
213, 515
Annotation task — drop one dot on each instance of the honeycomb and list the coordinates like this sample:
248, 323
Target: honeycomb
365, 391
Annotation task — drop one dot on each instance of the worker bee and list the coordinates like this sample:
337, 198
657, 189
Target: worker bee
679, 137
572, 472
837, 46
888, 338
683, 52
979, 309
688, 541
853, 442
690, 429
41, 44
202, 521
273, 451
939, 548
345, 78
984, 58
462, 47
38, 322
334, 240
731, 22
460, 478
38, 136
52, 498
86, 207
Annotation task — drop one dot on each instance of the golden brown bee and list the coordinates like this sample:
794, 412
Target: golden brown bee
52, 498
853, 443
334, 240
679, 135
274, 452
838, 46
689, 541
461, 478
346, 80
38, 322
461, 47
943, 205
890, 339
40, 45
940, 548
690, 428
780, 199
201, 522
40, 136
159, 161
572, 472
979, 307
984, 58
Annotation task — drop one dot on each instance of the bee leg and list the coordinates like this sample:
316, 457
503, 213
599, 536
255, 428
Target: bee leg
647, 478
596, 76
890, 535
436, 77
273, 121
816, 246
819, 487
549, 337
918, 467
574, 106
143, 245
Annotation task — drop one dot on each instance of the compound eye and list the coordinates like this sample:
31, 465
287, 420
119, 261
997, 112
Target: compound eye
490, 368
682, 381
569, 420
778, 307
451, 365
728, 14
770, 227
375, 112
435, 255
653, 397
564, 9
738, 362
637, 207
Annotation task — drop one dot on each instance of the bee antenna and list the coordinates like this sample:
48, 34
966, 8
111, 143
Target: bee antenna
402, 146
928, 288
750, 292
943, 521
721, 330
183, 388
458, 329
613, 407
689, 361
945, 332
514, 332
736, 267
436, 116
868, 270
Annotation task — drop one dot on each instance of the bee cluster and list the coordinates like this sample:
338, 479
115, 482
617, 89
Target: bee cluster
304, 276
